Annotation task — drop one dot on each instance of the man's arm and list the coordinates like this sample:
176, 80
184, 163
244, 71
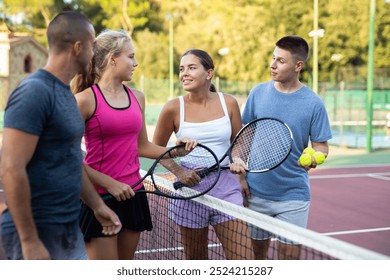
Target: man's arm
18, 149
108, 219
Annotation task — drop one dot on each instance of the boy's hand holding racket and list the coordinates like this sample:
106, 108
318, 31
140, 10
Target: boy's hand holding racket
238, 166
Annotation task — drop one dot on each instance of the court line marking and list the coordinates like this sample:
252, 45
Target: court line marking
377, 176
356, 231
355, 166
373, 175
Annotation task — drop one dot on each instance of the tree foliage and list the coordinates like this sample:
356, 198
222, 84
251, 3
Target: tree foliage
248, 28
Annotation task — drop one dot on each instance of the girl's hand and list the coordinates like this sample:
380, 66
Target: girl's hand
190, 143
120, 191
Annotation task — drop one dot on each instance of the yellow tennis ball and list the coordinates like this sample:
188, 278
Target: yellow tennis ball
319, 157
309, 151
305, 159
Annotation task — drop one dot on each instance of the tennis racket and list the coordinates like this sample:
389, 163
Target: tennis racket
172, 165
262, 145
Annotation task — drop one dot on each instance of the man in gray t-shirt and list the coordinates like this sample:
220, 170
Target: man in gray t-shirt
41, 162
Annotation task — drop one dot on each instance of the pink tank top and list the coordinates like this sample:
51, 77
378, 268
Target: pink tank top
111, 139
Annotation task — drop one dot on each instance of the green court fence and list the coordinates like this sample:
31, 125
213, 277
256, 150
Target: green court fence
347, 109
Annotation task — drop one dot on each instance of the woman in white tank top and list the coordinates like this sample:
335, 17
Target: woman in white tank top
213, 119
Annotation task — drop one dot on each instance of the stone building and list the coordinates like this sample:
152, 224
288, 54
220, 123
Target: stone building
20, 55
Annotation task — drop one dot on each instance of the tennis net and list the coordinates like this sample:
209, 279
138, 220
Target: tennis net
229, 238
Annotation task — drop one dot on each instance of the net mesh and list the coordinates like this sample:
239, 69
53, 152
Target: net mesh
177, 234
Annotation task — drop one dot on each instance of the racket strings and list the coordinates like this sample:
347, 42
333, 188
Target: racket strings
182, 169
263, 144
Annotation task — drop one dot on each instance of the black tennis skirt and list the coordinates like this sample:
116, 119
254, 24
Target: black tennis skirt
133, 213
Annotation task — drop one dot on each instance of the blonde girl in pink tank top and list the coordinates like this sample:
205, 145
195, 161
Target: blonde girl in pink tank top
115, 137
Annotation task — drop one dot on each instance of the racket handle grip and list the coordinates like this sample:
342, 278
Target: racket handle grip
201, 173
177, 185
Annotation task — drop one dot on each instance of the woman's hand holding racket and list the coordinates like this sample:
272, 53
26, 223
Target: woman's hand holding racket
188, 178
120, 191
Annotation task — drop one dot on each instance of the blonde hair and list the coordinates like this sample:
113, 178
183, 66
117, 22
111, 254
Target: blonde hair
108, 43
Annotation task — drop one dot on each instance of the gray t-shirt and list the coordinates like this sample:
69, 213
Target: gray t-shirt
44, 106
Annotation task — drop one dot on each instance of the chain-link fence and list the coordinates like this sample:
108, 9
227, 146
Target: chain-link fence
347, 108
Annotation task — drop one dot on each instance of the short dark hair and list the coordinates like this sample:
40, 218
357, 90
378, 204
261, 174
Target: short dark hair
66, 28
296, 45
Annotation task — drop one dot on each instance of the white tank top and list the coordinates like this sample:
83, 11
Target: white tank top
215, 134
